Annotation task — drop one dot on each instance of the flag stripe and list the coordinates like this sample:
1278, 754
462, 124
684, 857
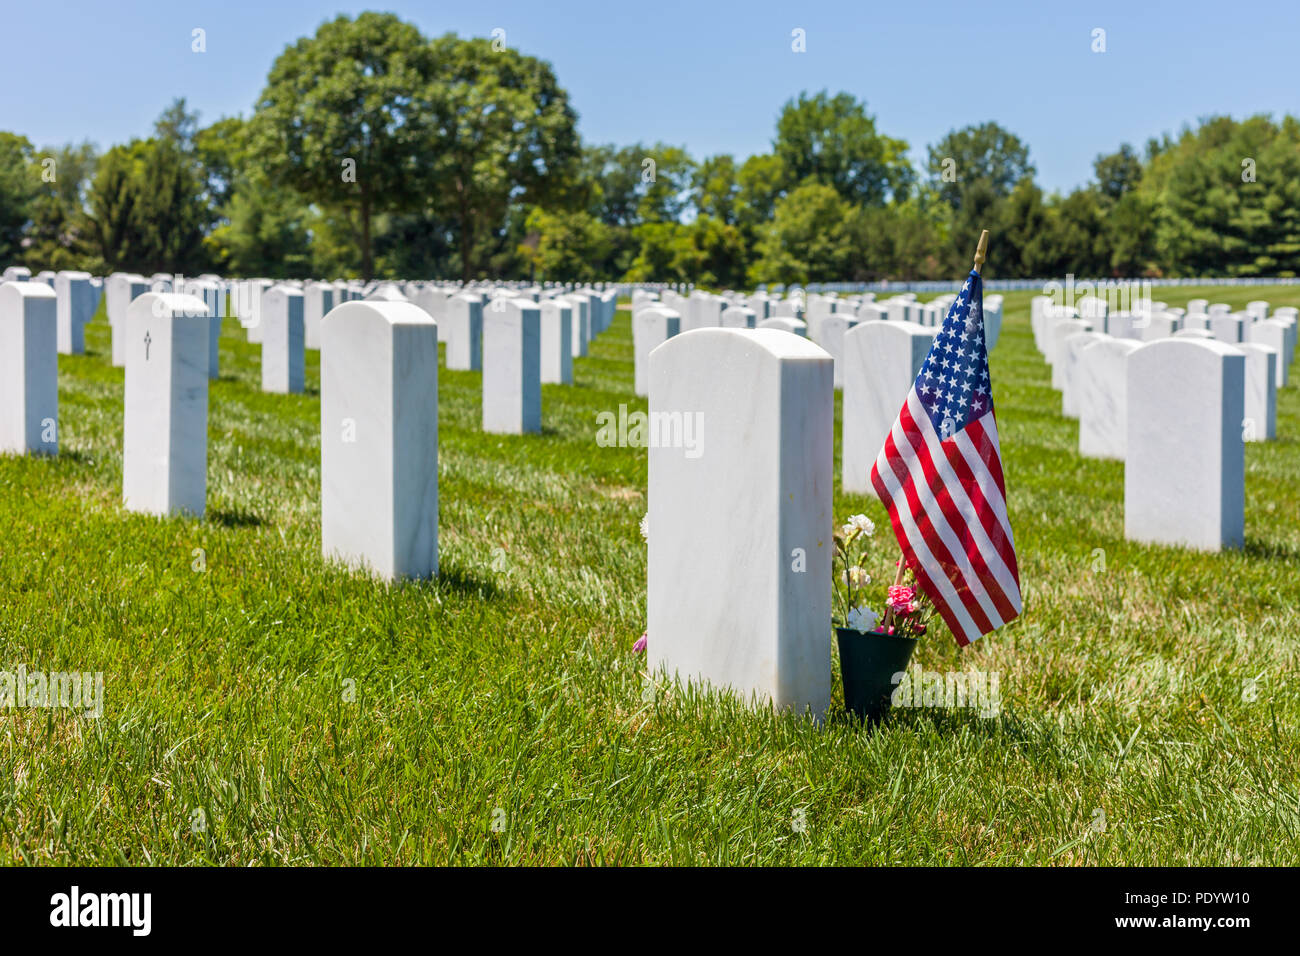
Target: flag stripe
952, 515
919, 559
944, 488
906, 501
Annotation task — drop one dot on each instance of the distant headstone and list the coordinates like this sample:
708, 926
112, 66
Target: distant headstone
1260, 423
379, 438
165, 407
784, 324
283, 359
462, 330
1184, 474
741, 437
651, 328
317, 300
557, 341
29, 368
1272, 333
512, 384
833, 329
739, 317
881, 361
75, 309
1071, 349
1101, 386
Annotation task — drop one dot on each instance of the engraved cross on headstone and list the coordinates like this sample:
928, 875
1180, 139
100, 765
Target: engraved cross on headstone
147, 340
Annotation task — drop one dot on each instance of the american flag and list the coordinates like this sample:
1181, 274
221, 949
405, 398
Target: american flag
940, 477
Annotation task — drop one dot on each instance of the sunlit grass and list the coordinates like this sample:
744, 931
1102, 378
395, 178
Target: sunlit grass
270, 708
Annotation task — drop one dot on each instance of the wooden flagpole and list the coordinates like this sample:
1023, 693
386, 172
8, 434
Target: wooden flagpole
981, 251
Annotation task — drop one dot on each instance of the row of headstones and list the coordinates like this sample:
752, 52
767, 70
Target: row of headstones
827, 322
284, 318
1175, 394
379, 367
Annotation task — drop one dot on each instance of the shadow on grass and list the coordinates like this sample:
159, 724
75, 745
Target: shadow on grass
1270, 550
464, 582
235, 519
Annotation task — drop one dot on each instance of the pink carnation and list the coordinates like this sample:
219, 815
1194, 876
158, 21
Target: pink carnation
901, 599
639, 646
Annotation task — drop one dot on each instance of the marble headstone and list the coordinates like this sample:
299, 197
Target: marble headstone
283, 359
512, 383
462, 330
379, 438
29, 368
651, 328
76, 305
1260, 422
1101, 385
165, 407
1184, 473
741, 437
557, 341
881, 361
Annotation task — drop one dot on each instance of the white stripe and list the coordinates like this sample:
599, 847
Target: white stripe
989, 487
984, 477
948, 478
952, 484
902, 509
930, 505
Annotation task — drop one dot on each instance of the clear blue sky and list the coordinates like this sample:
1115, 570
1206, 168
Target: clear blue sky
705, 74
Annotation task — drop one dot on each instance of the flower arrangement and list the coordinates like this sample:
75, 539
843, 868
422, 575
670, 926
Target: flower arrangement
907, 610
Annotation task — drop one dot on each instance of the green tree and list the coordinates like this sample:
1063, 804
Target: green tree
570, 245
810, 239
717, 188
347, 119
148, 211
832, 140
976, 162
57, 233
505, 140
1118, 173
19, 185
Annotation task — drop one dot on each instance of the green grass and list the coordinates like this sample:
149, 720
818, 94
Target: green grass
507, 690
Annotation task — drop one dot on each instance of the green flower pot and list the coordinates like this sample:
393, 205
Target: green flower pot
868, 663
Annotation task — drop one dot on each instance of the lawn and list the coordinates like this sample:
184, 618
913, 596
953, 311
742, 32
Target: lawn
264, 707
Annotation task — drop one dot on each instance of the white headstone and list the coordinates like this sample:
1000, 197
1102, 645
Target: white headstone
165, 408
1071, 349
1272, 333
741, 437
462, 330
557, 341
1260, 422
283, 359
651, 328
784, 324
833, 329
881, 361
1184, 473
512, 384
29, 368
75, 309
1101, 386
739, 317
379, 438
317, 300
1227, 327
210, 293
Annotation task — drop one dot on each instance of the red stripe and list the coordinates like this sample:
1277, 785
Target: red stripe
985, 449
926, 527
913, 562
992, 527
956, 521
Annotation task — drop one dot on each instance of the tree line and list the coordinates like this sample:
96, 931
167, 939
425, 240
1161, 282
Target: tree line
375, 151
